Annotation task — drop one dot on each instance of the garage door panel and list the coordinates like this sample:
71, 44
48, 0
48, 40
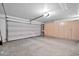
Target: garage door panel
18, 30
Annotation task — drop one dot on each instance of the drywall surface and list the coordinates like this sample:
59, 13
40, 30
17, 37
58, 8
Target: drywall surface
3, 28
66, 29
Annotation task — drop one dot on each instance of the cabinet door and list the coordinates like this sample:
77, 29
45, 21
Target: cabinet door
75, 30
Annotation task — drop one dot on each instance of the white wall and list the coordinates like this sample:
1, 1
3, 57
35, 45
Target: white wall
3, 27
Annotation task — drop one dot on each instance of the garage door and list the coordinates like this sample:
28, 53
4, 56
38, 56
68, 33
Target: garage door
19, 30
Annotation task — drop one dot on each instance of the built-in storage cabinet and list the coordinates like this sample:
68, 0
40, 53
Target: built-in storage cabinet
66, 29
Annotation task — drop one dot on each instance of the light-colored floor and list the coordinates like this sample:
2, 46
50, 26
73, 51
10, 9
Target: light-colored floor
40, 46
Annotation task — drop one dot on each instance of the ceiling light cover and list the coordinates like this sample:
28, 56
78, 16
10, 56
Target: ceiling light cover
46, 15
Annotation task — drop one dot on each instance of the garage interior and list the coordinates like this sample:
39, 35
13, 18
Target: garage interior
39, 29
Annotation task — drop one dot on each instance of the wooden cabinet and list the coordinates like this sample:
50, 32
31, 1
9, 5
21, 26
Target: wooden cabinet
69, 30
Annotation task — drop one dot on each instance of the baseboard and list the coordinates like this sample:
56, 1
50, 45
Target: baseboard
62, 38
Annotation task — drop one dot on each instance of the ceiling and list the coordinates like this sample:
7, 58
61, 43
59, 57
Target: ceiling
30, 11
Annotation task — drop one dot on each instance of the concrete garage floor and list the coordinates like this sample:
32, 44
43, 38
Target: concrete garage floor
40, 46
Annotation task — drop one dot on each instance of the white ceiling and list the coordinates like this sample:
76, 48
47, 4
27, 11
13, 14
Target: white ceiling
32, 10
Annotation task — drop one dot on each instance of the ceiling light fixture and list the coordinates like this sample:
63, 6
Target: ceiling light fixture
46, 15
